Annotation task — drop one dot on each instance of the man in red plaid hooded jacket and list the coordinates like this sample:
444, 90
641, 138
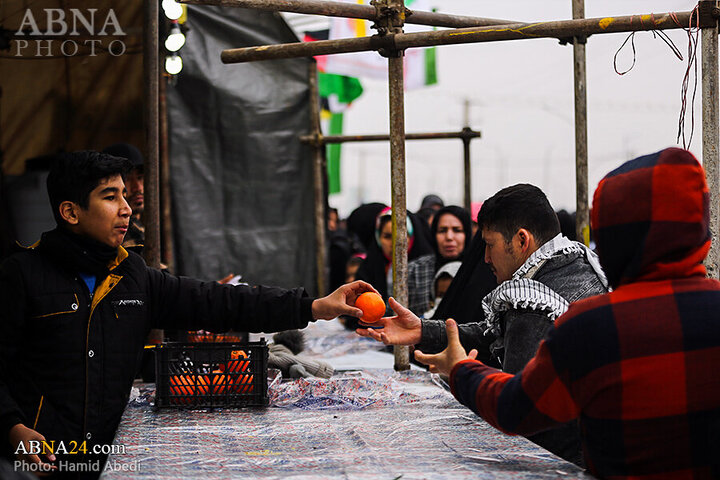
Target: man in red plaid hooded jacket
637, 366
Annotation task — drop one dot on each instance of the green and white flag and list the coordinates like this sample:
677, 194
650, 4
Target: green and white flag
339, 91
420, 68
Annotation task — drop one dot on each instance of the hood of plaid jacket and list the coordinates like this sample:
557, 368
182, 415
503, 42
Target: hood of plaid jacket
650, 218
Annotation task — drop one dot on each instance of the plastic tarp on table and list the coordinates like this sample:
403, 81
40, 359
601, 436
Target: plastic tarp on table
360, 425
411, 430
241, 180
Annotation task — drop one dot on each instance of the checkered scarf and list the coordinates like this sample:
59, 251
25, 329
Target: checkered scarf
658, 235
521, 291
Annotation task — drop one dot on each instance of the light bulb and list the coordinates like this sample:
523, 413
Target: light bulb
175, 40
173, 64
172, 9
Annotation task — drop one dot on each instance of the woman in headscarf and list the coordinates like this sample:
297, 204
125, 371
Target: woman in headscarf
451, 232
344, 244
463, 300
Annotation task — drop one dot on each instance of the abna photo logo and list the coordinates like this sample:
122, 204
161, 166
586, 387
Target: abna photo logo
88, 32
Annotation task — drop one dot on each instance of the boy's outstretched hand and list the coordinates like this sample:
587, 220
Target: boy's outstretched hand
403, 329
444, 361
341, 301
22, 434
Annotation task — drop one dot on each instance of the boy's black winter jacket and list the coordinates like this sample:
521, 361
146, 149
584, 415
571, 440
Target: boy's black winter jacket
68, 359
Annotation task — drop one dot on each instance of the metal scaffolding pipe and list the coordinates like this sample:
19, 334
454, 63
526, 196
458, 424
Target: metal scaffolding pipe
710, 136
582, 209
353, 10
166, 237
466, 135
326, 139
467, 174
151, 77
151, 80
318, 184
396, 96
517, 31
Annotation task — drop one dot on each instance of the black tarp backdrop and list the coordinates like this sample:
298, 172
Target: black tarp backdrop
241, 181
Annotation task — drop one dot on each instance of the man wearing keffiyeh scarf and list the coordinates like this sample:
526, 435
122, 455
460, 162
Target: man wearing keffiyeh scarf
540, 273
637, 366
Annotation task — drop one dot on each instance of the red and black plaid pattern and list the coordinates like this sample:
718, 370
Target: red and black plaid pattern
647, 226
638, 366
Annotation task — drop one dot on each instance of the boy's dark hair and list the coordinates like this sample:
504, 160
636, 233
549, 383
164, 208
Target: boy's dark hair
520, 206
74, 175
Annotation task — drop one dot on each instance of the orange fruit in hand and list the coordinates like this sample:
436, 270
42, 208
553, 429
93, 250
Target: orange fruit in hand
372, 306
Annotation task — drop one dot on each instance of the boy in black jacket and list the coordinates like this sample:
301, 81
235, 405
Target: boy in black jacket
77, 308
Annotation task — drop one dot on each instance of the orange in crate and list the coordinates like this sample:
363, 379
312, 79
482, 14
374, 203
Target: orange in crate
211, 375
239, 361
372, 306
218, 382
242, 383
208, 337
186, 386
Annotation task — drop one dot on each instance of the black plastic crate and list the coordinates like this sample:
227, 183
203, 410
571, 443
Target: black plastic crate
211, 375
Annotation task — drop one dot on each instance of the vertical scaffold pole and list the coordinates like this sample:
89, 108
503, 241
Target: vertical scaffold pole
582, 228
318, 184
397, 174
151, 80
151, 73
710, 136
467, 198
166, 238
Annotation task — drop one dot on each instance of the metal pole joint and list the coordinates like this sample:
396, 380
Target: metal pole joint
315, 139
468, 134
708, 13
580, 39
390, 16
390, 20
391, 52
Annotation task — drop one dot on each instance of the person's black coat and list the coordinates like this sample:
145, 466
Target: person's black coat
67, 359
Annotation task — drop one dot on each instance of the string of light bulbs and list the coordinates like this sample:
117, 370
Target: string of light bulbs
175, 40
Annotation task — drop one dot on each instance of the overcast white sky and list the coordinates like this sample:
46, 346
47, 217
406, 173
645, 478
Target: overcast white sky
521, 97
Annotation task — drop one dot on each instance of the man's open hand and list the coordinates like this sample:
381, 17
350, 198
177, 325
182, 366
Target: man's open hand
444, 361
403, 329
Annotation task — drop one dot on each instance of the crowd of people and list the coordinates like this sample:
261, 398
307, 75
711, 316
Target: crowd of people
604, 356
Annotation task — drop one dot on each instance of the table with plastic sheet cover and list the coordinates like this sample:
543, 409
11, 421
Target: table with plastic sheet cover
366, 422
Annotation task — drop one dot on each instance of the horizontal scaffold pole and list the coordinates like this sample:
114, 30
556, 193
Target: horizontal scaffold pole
325, 139
518, 31
353, 10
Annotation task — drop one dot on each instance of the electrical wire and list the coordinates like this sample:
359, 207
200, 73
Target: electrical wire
692, 33
691, 69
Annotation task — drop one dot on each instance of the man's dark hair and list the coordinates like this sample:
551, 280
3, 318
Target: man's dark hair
520, 206
125, 150
74, 175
